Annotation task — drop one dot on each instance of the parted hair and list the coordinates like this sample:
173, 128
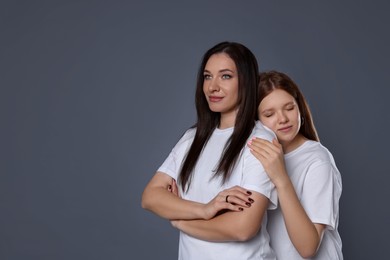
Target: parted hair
207, 120
272, 80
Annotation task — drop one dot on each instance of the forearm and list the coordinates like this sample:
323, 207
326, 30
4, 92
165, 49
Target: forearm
301, 230
169, 206
230, 226
157, 199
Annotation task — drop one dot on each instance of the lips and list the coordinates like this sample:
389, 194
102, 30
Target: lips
285, 129
215, 99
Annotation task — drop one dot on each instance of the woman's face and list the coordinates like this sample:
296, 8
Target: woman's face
279, 111
220, 85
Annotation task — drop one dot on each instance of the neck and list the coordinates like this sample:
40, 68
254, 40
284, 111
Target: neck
227, 121
294, 144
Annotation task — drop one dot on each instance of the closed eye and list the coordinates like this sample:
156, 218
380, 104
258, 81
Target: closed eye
290, 106
267, 114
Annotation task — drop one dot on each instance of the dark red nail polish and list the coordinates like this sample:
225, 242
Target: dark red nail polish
248, 192
248, 204
241, 209
251, 200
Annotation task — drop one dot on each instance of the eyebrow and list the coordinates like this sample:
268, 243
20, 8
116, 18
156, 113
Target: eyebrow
290, 103
271, 109
220, 71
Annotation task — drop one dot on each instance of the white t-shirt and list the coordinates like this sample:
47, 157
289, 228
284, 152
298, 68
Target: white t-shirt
317, 183
247, 173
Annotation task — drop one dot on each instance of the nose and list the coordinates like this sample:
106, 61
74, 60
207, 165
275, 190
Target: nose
282, 118
213, 85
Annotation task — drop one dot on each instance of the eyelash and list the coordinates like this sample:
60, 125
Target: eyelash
224, 76
288, 109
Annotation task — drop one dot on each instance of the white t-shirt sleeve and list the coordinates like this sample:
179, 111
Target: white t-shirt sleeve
254, 176
170, 165
256, 179
173, 162
319, 194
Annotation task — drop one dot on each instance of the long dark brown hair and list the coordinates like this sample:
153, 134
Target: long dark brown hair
272, 80
207, 120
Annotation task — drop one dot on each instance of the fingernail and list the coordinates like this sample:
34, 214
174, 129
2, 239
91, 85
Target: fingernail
248, 204
248, 192
251, 200
241, 209
169, 187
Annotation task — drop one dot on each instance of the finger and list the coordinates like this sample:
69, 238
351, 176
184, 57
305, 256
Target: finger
239, 192
277, 144
239, 201
237, 208
268, 147
237, 195
259, 153
174, 187
259, 145
258, 140
231, 207
240, 189
265, 144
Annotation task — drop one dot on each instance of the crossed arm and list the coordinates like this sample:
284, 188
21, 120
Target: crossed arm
245, 211
230, 226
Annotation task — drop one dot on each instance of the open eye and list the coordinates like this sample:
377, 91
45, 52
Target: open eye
206, 76
226, 76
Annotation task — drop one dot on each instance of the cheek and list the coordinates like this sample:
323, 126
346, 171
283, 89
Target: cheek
205, 92
297, 117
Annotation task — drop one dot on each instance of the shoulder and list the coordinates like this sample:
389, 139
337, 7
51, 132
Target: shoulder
185, 140
262, 131
320, 159
189, 134
318, 151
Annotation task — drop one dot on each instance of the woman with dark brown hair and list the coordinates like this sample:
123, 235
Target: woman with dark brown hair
222, 197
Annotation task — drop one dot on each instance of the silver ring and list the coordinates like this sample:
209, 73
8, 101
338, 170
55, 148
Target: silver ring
227, 199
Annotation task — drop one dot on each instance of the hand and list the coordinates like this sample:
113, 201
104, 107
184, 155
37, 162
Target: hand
233, 199
271, 157
173, 188
175, 223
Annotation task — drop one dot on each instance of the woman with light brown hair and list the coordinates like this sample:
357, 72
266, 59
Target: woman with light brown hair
304, 172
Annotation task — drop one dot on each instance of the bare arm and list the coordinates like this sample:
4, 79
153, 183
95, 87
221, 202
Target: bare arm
160, 201
304, 234
230, 226
159, 198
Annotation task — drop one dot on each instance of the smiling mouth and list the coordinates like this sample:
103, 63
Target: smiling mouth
285, 129
215, 99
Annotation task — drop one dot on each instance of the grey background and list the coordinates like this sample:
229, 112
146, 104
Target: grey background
94, 94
